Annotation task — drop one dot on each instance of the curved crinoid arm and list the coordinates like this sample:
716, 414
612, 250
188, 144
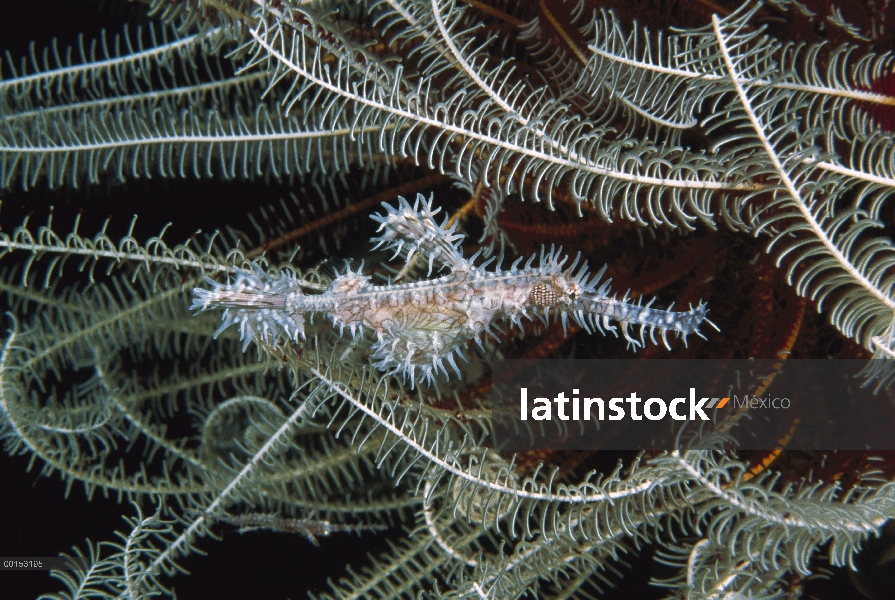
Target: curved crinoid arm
413, 229
263, 306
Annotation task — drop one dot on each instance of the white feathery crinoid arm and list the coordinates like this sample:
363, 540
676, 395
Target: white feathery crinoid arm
413, 229
261, 305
